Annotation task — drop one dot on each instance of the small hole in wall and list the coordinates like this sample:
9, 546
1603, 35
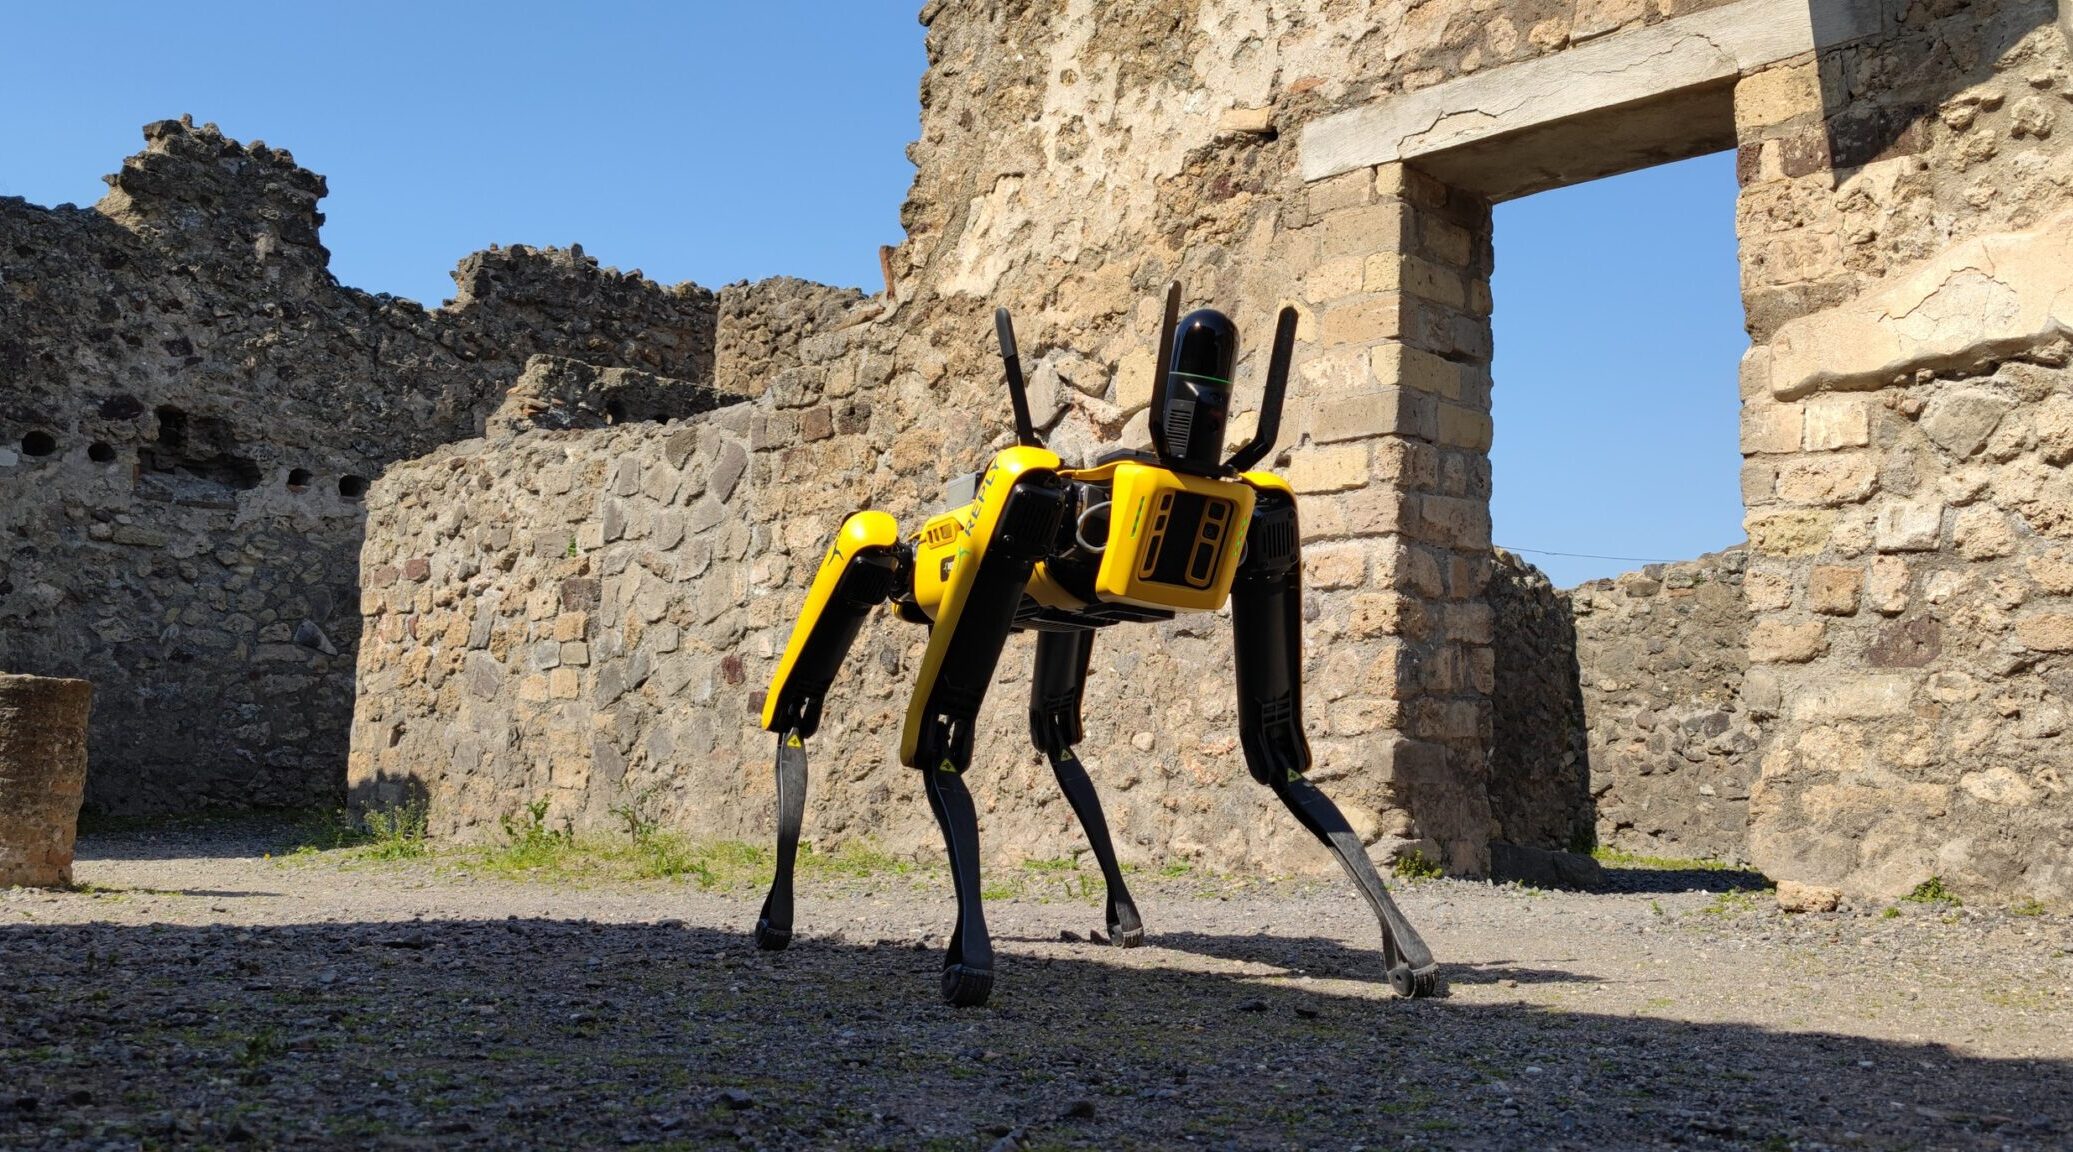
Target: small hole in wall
299, 479
352, 487
39, 444
101, 452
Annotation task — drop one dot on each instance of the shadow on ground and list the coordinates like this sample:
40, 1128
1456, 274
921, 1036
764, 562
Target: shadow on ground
527, 1033
1662, 881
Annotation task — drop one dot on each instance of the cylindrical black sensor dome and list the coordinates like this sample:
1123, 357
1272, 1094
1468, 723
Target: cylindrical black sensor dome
1196, 396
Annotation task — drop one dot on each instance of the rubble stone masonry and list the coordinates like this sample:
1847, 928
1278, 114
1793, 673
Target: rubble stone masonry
191, 410
1906, 178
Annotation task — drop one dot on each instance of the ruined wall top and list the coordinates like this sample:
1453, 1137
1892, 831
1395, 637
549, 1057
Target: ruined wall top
196, 186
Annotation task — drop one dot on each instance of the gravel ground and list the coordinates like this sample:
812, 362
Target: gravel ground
195, 993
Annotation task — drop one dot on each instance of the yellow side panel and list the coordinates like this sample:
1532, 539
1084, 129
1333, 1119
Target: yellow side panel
1173, 539
1268, 481
935, 547
980, 518
862, 530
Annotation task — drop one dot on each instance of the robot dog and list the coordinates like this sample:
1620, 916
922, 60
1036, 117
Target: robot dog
1063, 552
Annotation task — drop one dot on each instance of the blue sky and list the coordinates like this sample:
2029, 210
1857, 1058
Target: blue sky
718, 142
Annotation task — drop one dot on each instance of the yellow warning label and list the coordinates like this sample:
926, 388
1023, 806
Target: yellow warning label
793, 741
946, 766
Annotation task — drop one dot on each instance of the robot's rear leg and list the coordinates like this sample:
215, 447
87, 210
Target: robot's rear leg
1056, 689
863, 568
1267, 623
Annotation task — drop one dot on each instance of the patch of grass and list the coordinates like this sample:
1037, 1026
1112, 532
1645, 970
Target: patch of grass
1932, 891
530, 845
1174, 870
856, 859
396, 833
1892, 912
1414, 866
1732, 903
2029, 907
1620, 858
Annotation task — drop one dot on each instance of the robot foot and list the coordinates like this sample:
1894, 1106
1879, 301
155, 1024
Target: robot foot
966, 987
1125, 929
771, 939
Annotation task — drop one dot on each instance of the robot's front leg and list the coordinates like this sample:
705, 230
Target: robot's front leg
862, 569
1016, 524
1267, 620
1055, 692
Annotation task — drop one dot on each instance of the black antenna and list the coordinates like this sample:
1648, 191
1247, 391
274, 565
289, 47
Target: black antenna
1262, 441
1025, 428
1160, 367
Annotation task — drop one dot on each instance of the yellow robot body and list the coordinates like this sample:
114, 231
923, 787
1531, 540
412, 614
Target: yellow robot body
1136, 537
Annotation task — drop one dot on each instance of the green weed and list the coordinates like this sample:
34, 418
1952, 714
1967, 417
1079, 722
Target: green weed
1414, 866
1620, 858
1932, 891
2029, 907
529, 844
1731, 904
396, 833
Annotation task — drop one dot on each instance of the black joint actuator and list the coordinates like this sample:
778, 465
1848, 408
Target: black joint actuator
1195, 394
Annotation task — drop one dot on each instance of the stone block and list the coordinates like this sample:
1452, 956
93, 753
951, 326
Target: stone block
1347, 190
1823, 481
1382, 412
1837, 422
1335, 279
1331, 467
1780, 641
1462, 427
1796, 897
1909, 526
1798, 532
1832, 589
1859, 697
2053, 571
1362, 231
1414, 368
1887, 588
1771, 428
1767, 590
1961, 422
1337, 565
1364, 320
1777, 95
2046, 632
1454, 521
1246, 121
1445, 241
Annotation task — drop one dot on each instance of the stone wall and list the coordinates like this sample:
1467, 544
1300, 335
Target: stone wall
764, 327
191, 409
1908, 418
1074, 157
1672, 744
1904, 170
1541, 768
588, 618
